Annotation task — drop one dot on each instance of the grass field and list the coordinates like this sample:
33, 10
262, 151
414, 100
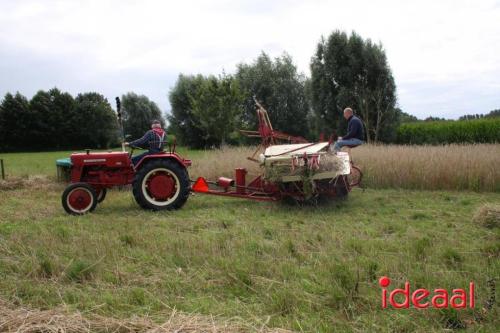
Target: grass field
311, 269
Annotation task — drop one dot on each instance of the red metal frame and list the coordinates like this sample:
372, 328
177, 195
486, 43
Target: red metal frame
257, 189
267, 134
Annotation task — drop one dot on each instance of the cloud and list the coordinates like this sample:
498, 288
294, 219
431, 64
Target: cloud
444, 55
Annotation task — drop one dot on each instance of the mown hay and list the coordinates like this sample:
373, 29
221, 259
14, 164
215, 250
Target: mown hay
34, 181
23, 320
488, 216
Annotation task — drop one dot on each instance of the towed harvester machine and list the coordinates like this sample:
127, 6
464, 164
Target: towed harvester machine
299, 170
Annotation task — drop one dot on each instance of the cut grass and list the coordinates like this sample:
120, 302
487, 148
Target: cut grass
312, 269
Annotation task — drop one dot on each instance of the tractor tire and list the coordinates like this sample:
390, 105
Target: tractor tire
161, 184
79, 199
101, 195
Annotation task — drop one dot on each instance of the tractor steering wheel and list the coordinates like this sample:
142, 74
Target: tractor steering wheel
132, 150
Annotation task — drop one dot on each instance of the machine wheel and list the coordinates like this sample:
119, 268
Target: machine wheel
161, 184
101, 195
342, 187
79, 199
354, 178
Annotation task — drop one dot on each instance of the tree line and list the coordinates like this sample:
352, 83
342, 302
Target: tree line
209, 111
54, 120
346, 70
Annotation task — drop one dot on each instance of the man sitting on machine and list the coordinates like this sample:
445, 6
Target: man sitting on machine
354, 136
155, 138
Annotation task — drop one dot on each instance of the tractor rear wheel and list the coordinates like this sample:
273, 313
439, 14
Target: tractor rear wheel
161, 184
79, 199
101, 195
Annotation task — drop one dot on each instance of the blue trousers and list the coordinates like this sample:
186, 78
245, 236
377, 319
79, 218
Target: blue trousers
349, 142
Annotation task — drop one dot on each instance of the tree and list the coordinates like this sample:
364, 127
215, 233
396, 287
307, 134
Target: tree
95, 123
407, 118
279, 88
52, 119
138, 113
206, 111
15, 123
493, 114
183, 122
431, 118
350, 71
217, 107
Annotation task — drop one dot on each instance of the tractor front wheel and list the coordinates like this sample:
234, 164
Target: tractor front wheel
161, 184
79, 199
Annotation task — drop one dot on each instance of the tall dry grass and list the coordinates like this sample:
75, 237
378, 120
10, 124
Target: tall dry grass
448, 167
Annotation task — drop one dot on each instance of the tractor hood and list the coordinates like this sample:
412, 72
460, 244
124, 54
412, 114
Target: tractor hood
110, 159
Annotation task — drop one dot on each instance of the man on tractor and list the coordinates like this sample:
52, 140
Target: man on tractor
152, 140
354, 136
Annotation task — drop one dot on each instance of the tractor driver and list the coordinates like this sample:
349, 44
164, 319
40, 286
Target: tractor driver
354, 136
153, 138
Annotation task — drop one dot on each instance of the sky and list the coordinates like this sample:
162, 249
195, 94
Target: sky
444, 55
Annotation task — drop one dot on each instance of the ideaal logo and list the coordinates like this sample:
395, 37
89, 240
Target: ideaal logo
422, 298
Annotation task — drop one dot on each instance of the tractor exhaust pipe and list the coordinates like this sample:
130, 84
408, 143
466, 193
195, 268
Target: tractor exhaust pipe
120, 121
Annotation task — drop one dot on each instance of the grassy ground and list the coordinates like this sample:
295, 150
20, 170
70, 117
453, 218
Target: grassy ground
312, 269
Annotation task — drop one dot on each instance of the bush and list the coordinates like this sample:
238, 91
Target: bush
450, 131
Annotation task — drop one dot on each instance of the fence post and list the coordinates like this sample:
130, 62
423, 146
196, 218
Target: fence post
1, 166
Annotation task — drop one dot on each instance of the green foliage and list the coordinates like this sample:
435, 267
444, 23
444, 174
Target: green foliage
95, 122
407, 118
491, 114
205, 110
53, 115
182, 121
138, 114
279, 88
443, 132
55, 120
15, 121
347, 71
217, 108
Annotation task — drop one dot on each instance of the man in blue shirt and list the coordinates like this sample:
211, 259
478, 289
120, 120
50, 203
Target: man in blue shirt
355, 134
152, 140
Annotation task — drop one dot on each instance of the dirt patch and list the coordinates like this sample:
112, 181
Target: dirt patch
23, 320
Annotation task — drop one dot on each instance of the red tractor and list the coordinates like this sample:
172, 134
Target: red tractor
159, 181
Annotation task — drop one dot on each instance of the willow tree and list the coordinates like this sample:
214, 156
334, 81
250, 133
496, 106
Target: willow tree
350, 71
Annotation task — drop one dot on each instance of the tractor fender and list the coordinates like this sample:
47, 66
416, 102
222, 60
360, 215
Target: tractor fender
171, 156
